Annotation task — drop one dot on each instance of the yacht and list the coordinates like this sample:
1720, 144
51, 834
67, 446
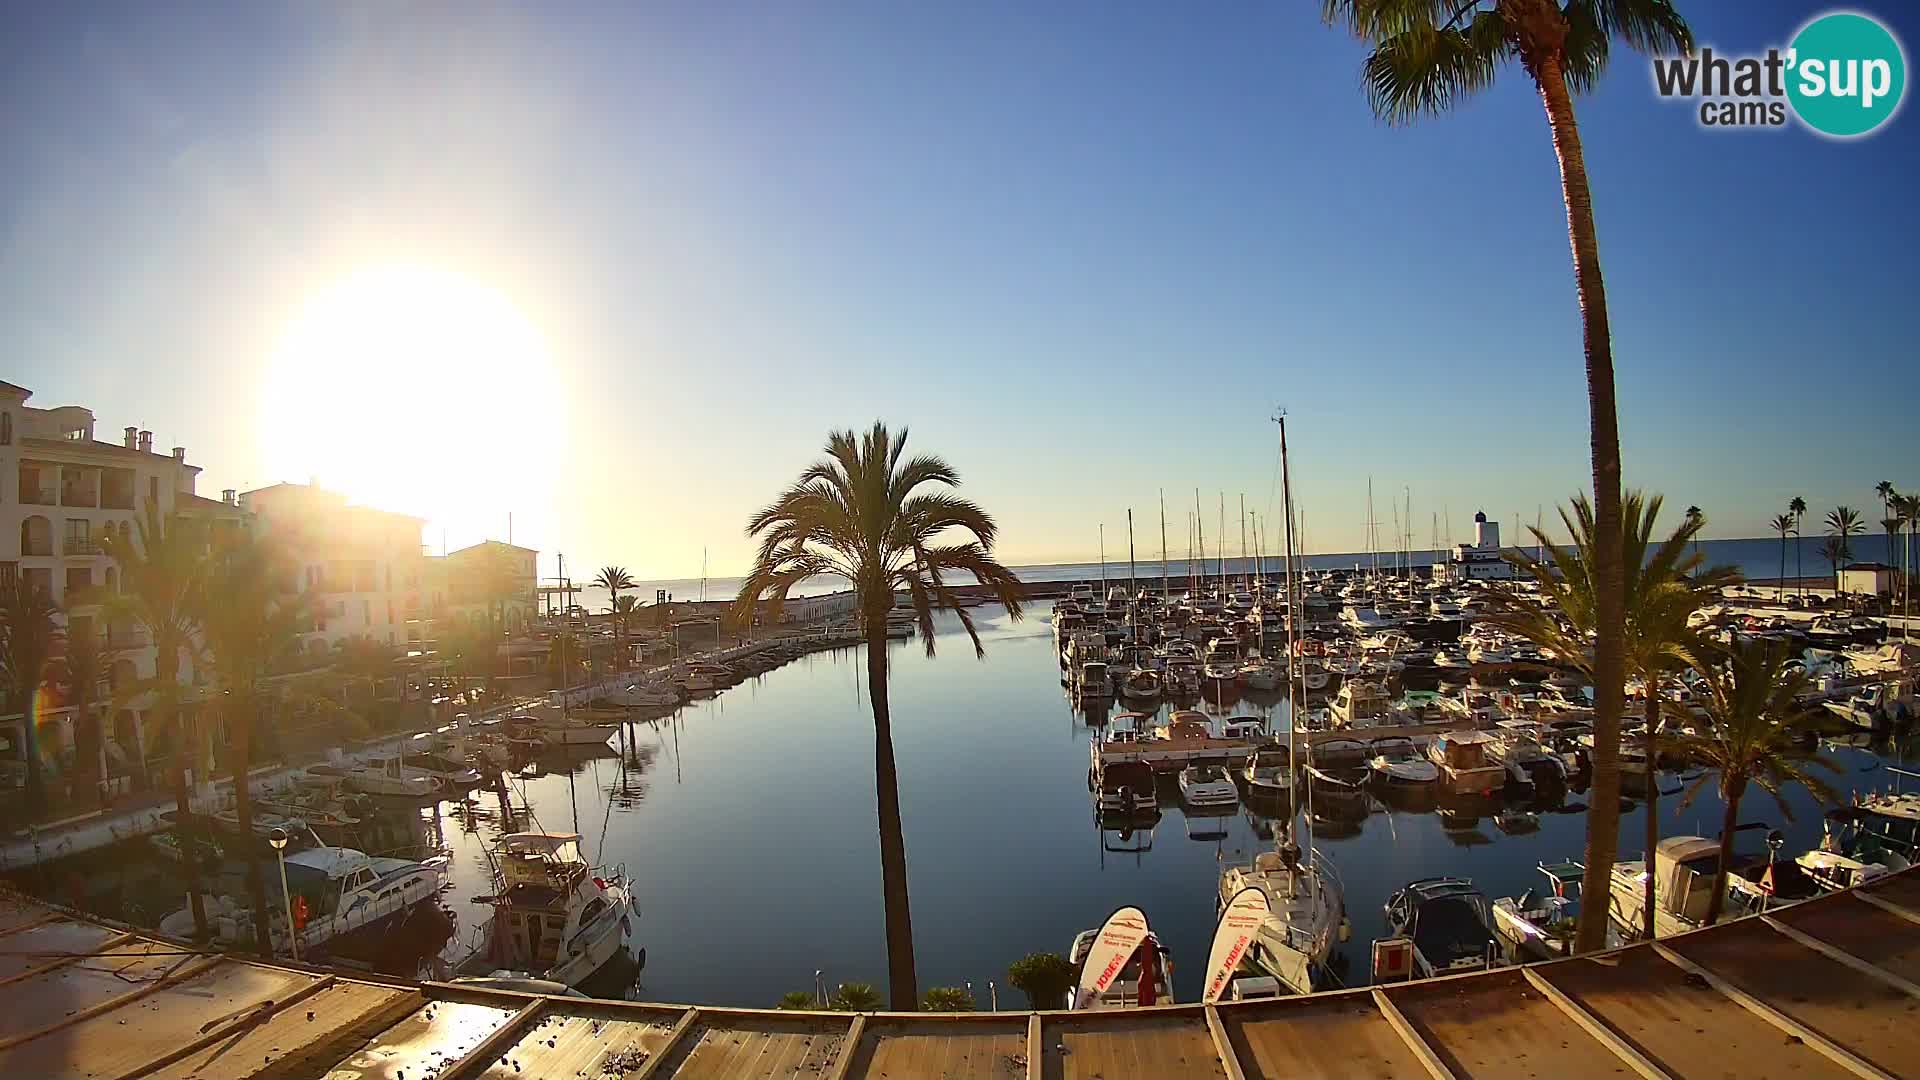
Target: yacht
374, 781
1685, 867
1305, 918
555, 917
1520, 746
1541, 926
339, 897
1269, 772
1141, 684
1448, 921
1120, 964
447, 777
1360, 704
1467, 761
1207, 785
1396, 764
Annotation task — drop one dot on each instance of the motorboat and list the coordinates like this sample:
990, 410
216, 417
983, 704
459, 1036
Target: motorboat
1243, 727
556, 918
373, 780
1449, 924
641, 695
1221, 672
1467, 761
339, 897
1541, 925
1835, 871
1685, 867
1207, 785
1141, 684
445, 775
1269, 772
319, 801
1120, 964
1396, 764
1360, 704
1093, 682
1124, 787
1305, 917
1520, 745
1261, 675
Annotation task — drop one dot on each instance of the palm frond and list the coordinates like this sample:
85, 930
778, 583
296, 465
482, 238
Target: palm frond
1425, 71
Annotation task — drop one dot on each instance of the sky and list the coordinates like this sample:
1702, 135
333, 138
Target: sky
617, 270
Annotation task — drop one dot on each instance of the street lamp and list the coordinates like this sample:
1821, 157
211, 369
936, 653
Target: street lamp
1775, 838
278, 838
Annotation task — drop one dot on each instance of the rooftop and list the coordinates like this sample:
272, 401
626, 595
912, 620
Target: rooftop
1823, 988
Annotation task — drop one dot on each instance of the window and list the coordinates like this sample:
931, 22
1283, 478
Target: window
153, 488
79, 540
6, 429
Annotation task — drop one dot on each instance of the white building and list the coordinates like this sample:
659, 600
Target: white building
362, 567
460, 587
61, 491
1867, 579
1480, 560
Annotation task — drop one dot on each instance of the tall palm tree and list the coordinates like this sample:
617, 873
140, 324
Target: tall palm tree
1907, 507
1885, 490
1892, 525
1755, 734
1664, 585
624, 608
1834, 550
1843, 523
248, 622
614, 579
1699, 517
861, 514
1429, 55
1782, 524
163, 575
1797, 506
85, 664
28, 633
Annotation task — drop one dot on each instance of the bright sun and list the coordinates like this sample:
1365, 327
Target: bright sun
416, 390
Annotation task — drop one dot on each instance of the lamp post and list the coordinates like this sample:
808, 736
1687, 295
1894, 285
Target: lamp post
278, 838
1775, 838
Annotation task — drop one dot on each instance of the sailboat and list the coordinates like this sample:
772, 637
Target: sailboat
1306, 905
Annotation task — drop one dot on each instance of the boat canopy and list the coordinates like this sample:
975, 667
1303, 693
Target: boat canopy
560, 846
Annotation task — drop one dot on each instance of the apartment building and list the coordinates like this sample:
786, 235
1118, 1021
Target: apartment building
362, 567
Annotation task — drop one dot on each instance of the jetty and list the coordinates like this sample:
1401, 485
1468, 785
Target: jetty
1822, 988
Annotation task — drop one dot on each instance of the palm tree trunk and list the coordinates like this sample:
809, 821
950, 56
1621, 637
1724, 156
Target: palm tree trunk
167, 668
1780, 587
1653, 804
242, 737
1609, 647
1730, 793
36, 792
903, 992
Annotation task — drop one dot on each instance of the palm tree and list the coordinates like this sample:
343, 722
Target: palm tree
163, 573
1782, 524
28, 634
1427, 56
1842, 523
1699, 517
860, 514
1797, 506
1756, 729
1664, 585
1885, 490
1907, 507
1893, 525
248, 622
613, 579
1834, 550
624, 608
85, 664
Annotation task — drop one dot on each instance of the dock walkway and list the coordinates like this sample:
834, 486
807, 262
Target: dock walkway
1827, 988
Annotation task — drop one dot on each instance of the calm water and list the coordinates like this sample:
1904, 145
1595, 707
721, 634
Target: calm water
1755, 557
747, 822
751, 830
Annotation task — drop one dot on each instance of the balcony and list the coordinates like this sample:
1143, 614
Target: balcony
81, 545
75, 495
37, 496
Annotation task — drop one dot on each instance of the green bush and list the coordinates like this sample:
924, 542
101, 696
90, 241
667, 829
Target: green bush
856, 997
796, 999
947, 999
1044, 977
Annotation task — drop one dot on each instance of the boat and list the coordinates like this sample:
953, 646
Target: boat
369, 780
1221, 672
1305, 917
556, 918
1120, 964
339, 897
446, 776
1449, 924
1835, 871
1685, 867
1207, 785
1269, 772
1093, 681
1396, 764
568, 732
1360, 704
1262, 675
1467, 762
1119, 786
1519, 744
644, 696
319, 801
1141, 684
1243, 727
1541, 926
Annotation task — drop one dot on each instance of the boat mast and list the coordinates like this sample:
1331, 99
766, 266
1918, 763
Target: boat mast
1200, 533
1163, 548
1223, 543
1244, 582
1295, 695
1103, 562
1133, 630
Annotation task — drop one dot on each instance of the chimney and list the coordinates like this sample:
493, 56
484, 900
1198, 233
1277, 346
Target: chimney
180, 453
131, 438
229, 497
146, 442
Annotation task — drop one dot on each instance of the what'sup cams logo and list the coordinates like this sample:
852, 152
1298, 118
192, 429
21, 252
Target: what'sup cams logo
1843, 76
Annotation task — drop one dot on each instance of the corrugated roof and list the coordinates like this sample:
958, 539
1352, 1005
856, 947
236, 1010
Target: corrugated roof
1824, 988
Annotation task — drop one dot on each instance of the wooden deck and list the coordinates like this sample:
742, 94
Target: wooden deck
1830, 988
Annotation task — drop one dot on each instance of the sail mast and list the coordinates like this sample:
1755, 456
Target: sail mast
1163, 547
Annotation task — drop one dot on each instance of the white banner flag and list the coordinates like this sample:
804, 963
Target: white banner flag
1238, 923
1119, 937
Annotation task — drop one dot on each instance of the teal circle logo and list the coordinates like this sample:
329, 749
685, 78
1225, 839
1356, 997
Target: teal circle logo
1846, 74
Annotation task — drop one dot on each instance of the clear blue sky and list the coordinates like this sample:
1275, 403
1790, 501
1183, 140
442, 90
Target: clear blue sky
1083, 249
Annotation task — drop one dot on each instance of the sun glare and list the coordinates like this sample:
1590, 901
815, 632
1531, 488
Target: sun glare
416, 390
